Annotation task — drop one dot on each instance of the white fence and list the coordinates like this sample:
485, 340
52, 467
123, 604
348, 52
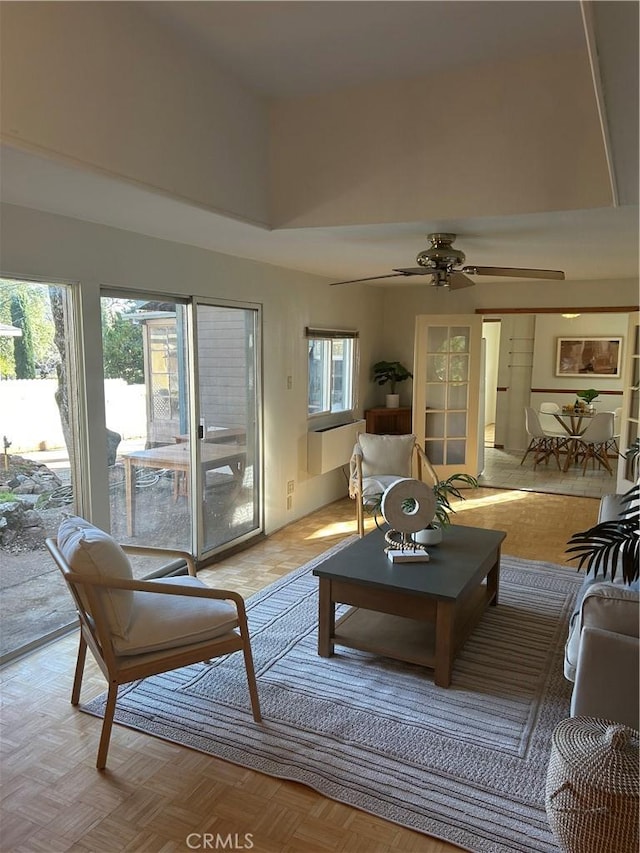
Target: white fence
30, 420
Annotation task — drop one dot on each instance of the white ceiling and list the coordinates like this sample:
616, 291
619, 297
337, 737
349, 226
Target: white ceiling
294, 48
301, 48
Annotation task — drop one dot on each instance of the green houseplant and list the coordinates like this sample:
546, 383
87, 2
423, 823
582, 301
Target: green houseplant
390, 372
614, 544
586, 398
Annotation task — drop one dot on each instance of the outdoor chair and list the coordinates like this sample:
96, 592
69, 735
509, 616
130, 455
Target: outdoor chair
378, 461
595, 440
137, 628
541, 444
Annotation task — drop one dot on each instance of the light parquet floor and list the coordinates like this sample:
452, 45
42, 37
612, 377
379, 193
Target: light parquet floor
154, 794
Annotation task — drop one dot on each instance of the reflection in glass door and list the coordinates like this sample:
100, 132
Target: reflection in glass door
147, 419
228, 446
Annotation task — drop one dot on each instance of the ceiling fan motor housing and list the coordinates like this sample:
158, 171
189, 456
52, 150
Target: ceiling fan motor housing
441, 254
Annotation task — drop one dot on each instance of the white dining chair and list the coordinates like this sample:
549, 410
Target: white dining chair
593, 443
541, 444
547, 421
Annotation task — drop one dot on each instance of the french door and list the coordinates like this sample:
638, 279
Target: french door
447, 391
181, 403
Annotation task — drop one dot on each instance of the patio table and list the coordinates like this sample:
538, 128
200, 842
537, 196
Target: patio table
177, 457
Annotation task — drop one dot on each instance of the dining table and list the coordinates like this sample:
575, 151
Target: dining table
574, 423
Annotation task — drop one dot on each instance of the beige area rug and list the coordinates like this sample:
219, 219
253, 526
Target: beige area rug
466, 764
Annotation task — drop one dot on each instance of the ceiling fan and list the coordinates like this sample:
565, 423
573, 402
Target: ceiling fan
445, 266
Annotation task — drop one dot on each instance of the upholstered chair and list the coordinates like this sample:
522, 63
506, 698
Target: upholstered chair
137, 628
378, 461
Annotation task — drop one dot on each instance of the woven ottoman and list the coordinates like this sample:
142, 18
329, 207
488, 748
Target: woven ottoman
593, 789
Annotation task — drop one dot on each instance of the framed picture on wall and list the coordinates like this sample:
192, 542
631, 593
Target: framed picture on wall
588, 356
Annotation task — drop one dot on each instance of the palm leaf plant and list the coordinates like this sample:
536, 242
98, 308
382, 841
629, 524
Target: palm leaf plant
613, 544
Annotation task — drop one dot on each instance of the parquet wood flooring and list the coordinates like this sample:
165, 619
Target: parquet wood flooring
154, 794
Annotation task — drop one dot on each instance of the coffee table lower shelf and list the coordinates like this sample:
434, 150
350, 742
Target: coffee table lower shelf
406, 639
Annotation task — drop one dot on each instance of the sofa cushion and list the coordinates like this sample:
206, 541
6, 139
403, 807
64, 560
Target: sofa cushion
386, 454
607, 677
161, 621
90, 551
606, 605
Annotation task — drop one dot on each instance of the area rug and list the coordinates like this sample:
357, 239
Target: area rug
466, 764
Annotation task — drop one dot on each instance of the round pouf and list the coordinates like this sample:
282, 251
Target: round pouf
593, 790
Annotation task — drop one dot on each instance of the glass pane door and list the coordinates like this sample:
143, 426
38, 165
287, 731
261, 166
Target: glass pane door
446, 389
38, 426
147, 418
228, 446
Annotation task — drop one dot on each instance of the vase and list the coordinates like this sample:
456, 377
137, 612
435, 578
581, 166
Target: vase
428, 536
393, 401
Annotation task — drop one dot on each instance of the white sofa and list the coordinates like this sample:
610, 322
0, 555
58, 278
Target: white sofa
602, 653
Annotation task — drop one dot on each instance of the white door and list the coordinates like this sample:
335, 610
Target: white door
630, 420
446, 390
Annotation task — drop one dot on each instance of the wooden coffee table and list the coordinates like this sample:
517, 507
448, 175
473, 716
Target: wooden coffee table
416, 612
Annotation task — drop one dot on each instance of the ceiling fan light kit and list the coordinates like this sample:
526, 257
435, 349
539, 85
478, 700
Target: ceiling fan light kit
444, 264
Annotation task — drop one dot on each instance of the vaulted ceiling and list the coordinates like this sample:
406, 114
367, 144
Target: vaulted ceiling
512, 124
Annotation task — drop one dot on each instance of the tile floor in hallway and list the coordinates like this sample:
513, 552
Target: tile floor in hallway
503, 470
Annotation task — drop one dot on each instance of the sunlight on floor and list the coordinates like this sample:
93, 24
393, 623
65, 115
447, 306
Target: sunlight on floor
498, 498
338, 528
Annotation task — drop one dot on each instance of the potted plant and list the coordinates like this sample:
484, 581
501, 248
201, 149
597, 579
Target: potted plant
612, 544
391, 372
443, 491
586, 398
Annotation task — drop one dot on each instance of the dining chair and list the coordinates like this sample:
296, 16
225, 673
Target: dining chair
547, 421
541, 444
138, 628
594, 441
613, 447
377, 462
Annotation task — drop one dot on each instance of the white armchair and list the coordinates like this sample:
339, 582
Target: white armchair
378, 461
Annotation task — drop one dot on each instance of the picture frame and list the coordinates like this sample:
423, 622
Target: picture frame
592, 356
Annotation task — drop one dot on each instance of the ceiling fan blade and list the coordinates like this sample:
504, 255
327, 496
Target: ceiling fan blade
416, 271
513, 272
369, 278
458, 280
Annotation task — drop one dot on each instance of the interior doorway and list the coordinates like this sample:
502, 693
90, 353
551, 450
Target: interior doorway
491, 334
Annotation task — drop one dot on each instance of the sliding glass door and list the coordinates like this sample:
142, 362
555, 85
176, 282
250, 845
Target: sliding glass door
184, 465
228, 433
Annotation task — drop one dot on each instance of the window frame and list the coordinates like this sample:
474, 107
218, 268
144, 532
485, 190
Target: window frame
329, 339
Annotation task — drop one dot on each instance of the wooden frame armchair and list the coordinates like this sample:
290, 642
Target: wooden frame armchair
138, 628
378, 461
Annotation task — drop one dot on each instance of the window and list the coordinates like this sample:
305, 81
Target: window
332, 362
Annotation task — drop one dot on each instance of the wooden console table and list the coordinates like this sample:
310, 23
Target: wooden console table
385, 421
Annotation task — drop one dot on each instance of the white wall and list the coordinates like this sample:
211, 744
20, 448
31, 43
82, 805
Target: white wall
550, 327
45, 246
491, 333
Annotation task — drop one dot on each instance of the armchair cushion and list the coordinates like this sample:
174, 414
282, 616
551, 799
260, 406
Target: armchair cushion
90, 551
386, 454
162, 621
